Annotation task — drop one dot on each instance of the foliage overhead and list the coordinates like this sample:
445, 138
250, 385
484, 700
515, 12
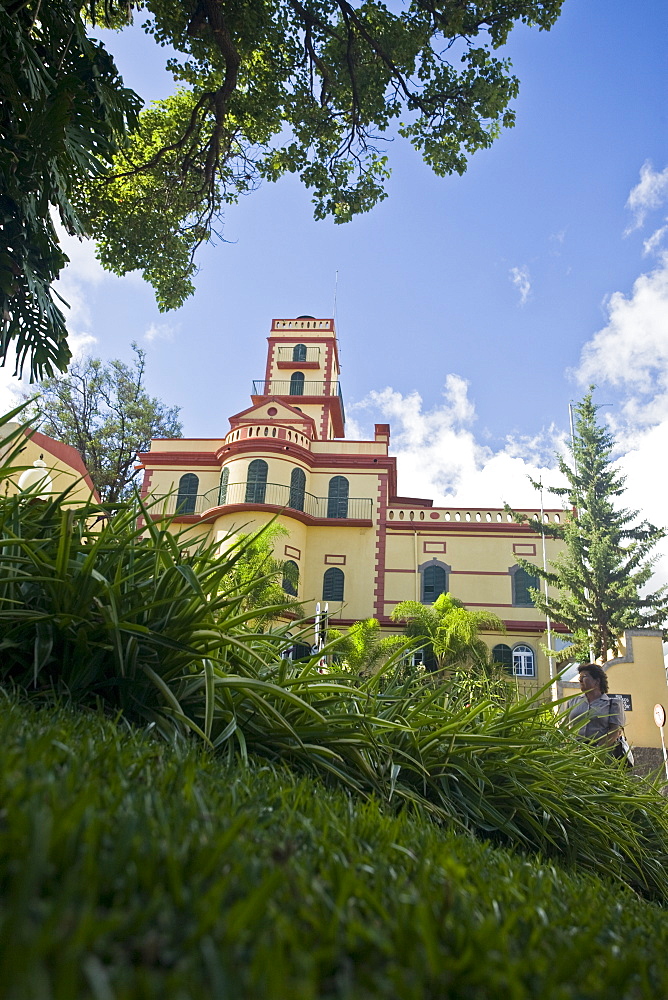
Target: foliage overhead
602, 573
103, 410
63, 115
314, 88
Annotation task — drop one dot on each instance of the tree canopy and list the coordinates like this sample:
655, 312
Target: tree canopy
601, 576
264, 88
103, 410
449, 630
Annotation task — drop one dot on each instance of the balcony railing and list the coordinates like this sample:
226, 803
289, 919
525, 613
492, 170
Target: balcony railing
289, 387
308, 354
263, 494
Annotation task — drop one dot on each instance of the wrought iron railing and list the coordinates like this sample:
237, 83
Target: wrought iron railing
267, 494
288, 387
305, 355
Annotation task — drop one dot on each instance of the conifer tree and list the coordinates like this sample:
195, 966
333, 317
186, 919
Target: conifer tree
601, 574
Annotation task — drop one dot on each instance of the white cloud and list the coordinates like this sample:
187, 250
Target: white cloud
643, 464
160, 331
10, 389
631, 351
628, 360
520, 278
83, 273
438, 456
649, 193
653, 243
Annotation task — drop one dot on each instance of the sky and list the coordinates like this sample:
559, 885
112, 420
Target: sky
470, 310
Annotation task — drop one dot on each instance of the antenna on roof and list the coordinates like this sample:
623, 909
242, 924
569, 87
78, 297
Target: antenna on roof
336, 286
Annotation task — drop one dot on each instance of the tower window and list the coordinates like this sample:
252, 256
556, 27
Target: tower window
333, 584
187, 495
256, 485
297, 488
337, 497
222, 488
297, 384
434, 581
299, 352
290, 577
522, 583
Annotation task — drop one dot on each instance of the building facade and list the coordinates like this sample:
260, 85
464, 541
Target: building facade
356, 544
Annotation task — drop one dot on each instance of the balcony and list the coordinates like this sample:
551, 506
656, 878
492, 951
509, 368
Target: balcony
267, 495
308, 355
289, 387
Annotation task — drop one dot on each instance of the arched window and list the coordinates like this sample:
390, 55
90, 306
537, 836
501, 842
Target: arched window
299, 352
524, 661
337, 497
222, 489
256, 485
332, 584
503, 655
297, 488
522, 581
290, 577
187, 495
434, 581
297, 384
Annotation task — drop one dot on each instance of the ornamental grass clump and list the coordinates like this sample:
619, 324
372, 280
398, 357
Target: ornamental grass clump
108, 605
109, 610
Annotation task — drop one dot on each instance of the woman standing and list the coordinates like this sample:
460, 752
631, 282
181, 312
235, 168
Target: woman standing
597, 717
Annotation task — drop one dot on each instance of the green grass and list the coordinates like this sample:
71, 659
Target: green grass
131, 868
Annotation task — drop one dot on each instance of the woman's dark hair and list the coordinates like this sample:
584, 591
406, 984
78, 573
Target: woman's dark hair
596, 673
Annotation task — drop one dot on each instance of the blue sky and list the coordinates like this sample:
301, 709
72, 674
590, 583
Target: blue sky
471, 309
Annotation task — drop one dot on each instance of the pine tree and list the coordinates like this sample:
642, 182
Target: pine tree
600, 575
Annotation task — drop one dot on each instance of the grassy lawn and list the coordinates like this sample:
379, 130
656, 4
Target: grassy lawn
134, 869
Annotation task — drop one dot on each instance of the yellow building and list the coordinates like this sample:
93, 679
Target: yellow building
356, 544
47, 467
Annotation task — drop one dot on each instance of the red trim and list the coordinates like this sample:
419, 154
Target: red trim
334, 409
381, 548
325, 410
298, 364
411, 571
340, 560
270, 358
291, 552
512, 627
478, 572
465, 528
146, 483
410, 502
187, 458
356, 464
297, 515
299, 415
526, 545
312, 339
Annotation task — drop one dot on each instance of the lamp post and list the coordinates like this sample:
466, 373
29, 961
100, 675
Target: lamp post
36, 480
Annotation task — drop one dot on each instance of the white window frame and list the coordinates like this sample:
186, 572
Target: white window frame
524, 661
